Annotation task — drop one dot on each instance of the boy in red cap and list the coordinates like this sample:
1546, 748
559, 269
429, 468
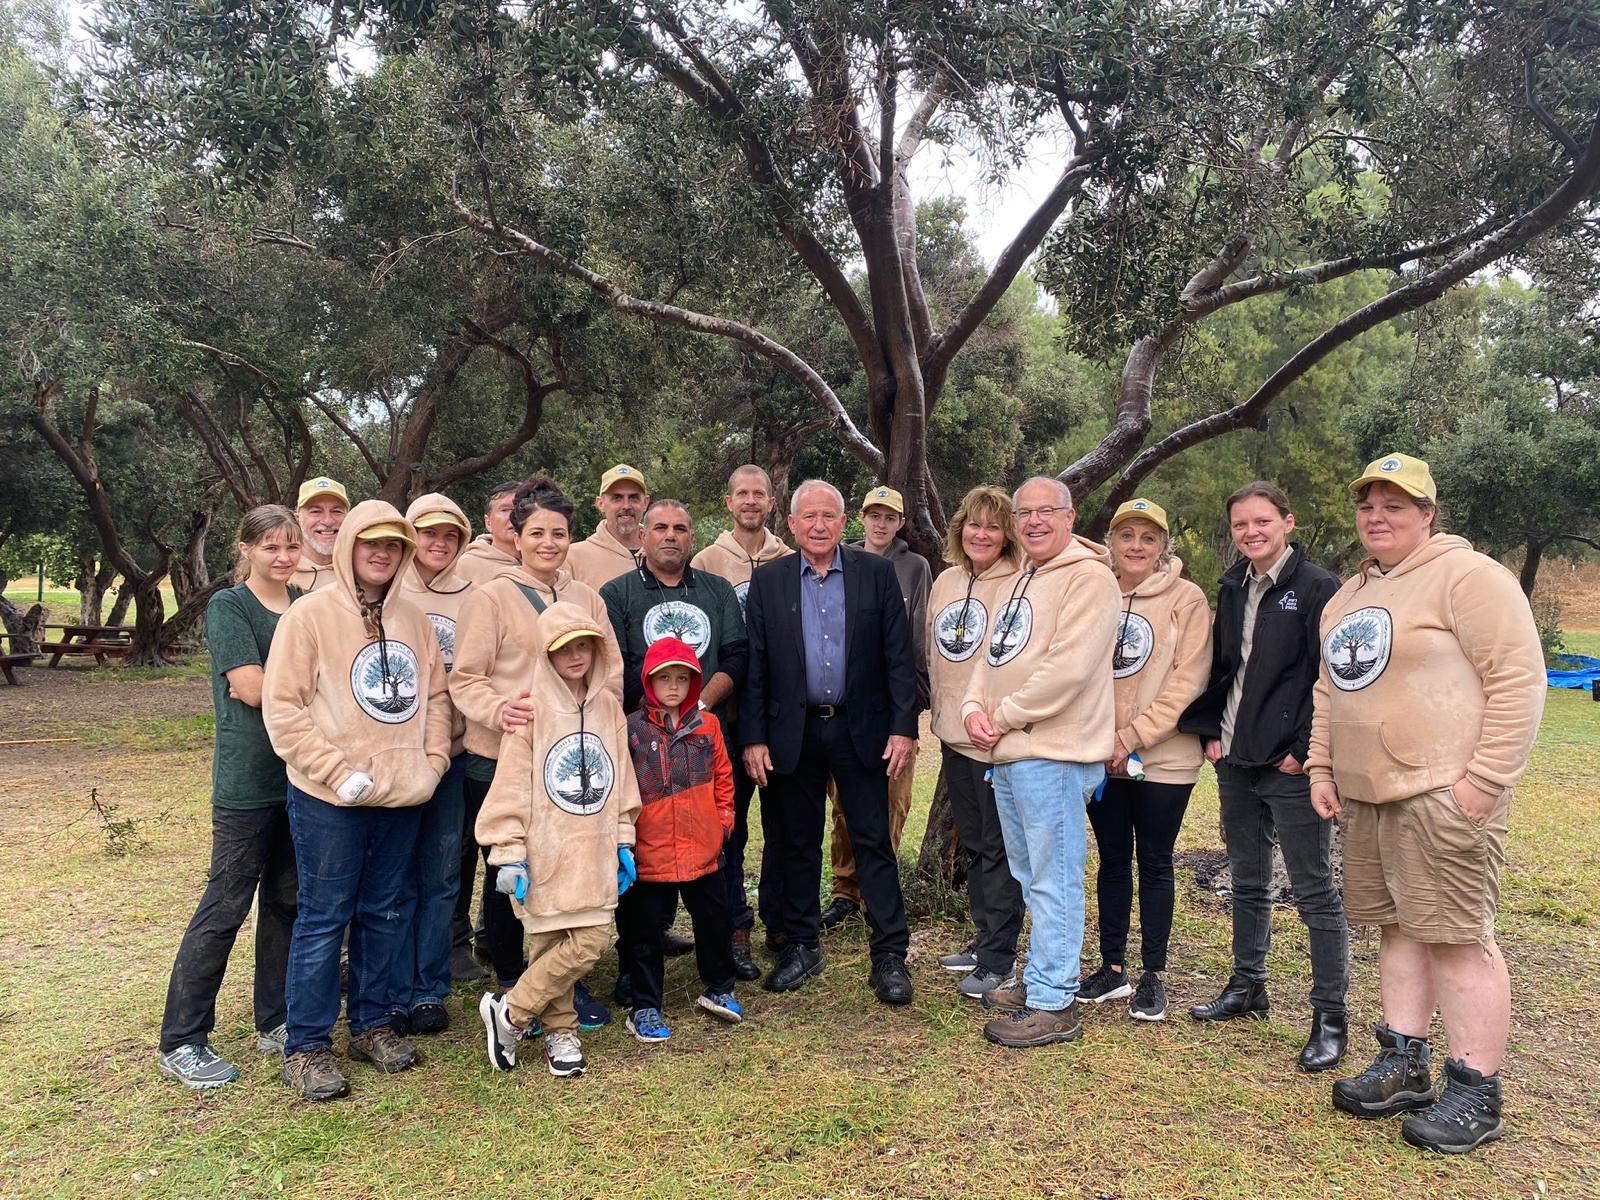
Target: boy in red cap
686, 789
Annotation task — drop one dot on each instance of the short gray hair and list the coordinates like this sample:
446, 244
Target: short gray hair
812, 485
1064, 491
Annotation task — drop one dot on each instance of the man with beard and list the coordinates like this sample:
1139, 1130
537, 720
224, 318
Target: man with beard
613, 549
320, 510
494, 552
740, 550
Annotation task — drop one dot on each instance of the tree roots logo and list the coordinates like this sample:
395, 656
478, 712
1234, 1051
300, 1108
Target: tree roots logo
1135, 643
445, 630
578, 774
383, 679
959, 628
1356, 650
679, 619
1012, 626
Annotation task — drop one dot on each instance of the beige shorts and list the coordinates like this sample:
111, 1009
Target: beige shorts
1421, 864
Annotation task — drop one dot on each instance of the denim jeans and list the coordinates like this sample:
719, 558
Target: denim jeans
1263, 806
428, 898
1043, 814
353, 864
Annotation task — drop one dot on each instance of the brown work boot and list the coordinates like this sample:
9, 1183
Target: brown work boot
1035, 1027
1010, 996
743, 965
384, 1050
315, 1076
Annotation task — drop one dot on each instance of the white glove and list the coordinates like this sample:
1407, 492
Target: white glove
355, 789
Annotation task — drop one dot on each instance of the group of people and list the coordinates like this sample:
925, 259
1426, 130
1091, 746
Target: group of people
395, 698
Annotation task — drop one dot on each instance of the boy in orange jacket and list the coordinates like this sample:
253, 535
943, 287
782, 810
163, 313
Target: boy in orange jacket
686, 814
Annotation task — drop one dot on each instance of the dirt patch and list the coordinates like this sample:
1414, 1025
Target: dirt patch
52, 701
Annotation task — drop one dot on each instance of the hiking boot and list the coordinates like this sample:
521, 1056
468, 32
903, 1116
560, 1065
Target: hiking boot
1035, 1027
501, 1033
1010, 996
962, 961
838, 912
1105, 984
744, 967
1149, 1001
388, 1052
272, 1041
675, 945
1466, 1115
465, 967
315, 1076
1326, 1044
722, 1005
646, 1025
980, 981
1398, 1080
563, 1054
1241, 998
429, 1017
592, 1014
198, 1068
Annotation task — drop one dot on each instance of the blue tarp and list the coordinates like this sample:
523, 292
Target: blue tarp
1582, 673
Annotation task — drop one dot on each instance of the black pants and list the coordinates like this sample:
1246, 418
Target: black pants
864, 796
1143, 817
251, 854
501, 929
740, 915
993, 894
646, 909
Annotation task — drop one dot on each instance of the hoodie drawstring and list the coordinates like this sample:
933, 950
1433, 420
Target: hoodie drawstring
1013, 607
372, 618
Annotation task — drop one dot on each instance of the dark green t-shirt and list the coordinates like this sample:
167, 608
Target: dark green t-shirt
245, 773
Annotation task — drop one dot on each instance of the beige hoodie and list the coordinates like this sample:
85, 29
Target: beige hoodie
564, 796
346, 692
308, 577
1160, 665
599, 559
497, 648
725, 557
1045, 680
960, 612
481, 561
1431, 673
442, 597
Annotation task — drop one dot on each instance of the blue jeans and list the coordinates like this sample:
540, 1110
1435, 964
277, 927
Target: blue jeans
353, 863
1043, 814
428, 898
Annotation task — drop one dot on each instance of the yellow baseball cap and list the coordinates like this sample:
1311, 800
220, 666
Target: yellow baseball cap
887, 497
620, 473
387, 529
571, 635
322, 486
1144, 510
442, 516
1410, 475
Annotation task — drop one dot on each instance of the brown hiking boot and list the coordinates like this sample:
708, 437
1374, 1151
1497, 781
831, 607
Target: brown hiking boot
1010, 996
1035, 1027
384, 1050
744, 967
315, 1076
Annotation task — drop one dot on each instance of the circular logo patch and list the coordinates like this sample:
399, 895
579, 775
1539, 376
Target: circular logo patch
680, 619
1135, 643
1356, 650
1012, 626
1389, 464
445, 630
383, 679
578, 774
959, 627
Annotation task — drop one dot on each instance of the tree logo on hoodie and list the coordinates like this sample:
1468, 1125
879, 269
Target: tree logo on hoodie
1356, 650
383, 679
578, 774
1012, 626
680, 619
741, 590
1135, 642
959, 628
444, 629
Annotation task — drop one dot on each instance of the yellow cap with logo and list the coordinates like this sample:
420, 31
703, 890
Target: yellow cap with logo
887, 497
322, 486
1142, 509
441, 516
387, 529
622, 473
571, 635
1410, 475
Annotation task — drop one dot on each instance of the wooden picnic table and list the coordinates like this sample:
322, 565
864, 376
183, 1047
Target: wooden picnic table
102, 641
9, 662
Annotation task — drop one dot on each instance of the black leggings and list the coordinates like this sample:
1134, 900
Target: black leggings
1145, 816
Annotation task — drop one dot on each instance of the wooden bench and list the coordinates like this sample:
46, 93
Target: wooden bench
10, 662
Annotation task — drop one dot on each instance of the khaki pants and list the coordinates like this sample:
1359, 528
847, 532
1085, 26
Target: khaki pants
557, 959
845, 885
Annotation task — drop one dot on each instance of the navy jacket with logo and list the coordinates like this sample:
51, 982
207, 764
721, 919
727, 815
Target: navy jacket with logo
1274, 717
702, 609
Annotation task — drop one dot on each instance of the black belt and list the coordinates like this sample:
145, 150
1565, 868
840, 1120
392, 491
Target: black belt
825, 712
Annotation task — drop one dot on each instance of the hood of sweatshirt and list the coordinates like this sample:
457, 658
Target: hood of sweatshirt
1162, 579
1437, 545
449, 578
672, 650
361, 518
772, 546
548, 686
1079, 549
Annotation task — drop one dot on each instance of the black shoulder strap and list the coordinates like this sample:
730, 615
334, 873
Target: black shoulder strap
533, 597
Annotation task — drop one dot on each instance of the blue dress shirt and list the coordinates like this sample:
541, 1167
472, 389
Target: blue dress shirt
822, 630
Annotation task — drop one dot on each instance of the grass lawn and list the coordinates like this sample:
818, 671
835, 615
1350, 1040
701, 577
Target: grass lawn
823, 1093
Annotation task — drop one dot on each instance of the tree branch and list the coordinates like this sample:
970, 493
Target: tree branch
343, 426
533, 414
1540, 112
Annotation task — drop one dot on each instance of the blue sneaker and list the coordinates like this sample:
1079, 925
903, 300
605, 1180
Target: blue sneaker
646, 1025
723, 1006
592, 1014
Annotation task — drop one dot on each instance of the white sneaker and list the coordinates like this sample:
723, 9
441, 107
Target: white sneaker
272, 1041
563, 1054
500, 1035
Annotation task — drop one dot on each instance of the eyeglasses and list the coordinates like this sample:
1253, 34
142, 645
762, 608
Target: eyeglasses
1024, 514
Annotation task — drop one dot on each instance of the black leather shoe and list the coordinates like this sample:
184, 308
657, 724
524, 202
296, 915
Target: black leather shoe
1241, 998
890, 982
1330, 1034
744, 967
797, 964
837, 913
675, 945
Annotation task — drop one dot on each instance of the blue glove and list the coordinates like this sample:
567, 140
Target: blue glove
626, 871
512, 879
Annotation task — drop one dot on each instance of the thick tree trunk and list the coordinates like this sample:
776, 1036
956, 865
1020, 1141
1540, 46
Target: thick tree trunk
189, 572
149, 611
119, 608
26, 628
92, 582
940, 860
192, 610
1531, 557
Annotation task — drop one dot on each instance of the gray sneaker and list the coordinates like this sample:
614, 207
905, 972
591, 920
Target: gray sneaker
272, 1041
197, 1067
963, 962
980, 981
563, 1054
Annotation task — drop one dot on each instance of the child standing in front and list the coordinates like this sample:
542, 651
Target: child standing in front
558, 824
686, 814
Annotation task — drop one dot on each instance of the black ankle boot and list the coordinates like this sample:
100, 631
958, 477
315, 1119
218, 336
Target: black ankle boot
1241, 998
1330, 1034
1466, 1115
1399, 1079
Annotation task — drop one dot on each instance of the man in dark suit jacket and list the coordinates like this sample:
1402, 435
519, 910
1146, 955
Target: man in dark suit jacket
830, 688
